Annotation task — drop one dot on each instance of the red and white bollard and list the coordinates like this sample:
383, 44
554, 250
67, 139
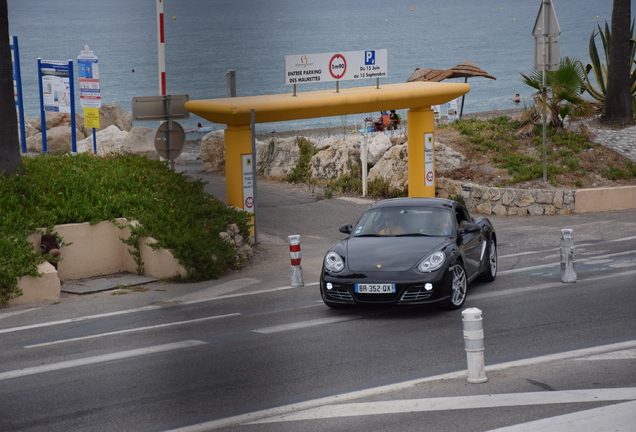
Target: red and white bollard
295, 255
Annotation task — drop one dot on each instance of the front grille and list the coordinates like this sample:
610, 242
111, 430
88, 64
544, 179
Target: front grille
415, 294
376, 298
341, 294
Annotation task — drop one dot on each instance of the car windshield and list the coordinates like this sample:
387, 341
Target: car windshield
407, 221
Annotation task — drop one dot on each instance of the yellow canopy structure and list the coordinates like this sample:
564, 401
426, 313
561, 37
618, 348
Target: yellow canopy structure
418, 97
325, 103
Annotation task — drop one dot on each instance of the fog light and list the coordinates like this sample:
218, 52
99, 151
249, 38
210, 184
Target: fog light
428, 286
329, 286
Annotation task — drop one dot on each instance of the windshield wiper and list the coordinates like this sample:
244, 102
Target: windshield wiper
369, 235
413, 235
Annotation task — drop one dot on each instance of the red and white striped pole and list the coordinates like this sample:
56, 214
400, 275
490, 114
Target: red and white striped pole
295, 255
161, 52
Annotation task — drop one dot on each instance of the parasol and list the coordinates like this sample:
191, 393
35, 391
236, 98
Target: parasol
464, 70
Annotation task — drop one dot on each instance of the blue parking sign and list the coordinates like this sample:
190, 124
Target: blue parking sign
369, 58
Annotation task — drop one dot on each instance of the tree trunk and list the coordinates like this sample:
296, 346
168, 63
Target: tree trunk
618, 101
10, 160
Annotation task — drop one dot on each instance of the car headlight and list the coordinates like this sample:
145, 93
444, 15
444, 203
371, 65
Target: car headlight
334, 262
432, 262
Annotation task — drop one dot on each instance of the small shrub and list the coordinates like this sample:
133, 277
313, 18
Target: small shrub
301, 173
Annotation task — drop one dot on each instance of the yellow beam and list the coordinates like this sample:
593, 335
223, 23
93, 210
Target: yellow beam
325, 103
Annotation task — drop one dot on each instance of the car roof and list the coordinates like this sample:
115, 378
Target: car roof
415, 202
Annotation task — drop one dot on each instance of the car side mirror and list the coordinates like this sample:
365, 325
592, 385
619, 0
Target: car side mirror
470, 227
346, 228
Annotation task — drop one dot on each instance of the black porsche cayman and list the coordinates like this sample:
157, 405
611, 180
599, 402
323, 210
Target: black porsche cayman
409, 251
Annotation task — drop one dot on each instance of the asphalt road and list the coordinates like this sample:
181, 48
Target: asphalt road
247, 352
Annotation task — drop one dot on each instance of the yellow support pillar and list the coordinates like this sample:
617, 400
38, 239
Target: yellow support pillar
421, 165
238, 142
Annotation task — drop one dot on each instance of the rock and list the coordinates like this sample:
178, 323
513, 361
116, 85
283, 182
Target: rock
140, 141
377, 145
392, 167
447, 159
110, 140
112, 114
526, 199
213, 152
334, 161
58, 140
484, 208
535, 210
55, 119
278, 157
30, 129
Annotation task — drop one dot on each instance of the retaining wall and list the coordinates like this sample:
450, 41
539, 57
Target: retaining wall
536, 202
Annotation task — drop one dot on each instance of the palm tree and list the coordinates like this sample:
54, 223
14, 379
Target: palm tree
599, 70
564, 99
618, 104
10, 160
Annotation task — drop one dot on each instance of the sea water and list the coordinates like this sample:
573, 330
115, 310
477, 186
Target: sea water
205, 38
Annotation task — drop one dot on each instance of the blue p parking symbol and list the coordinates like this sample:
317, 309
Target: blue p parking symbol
369, 58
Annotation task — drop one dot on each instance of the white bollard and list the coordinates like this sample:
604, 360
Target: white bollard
568, 262
295, 255
474, 344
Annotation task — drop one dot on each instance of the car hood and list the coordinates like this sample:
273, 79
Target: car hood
390, 253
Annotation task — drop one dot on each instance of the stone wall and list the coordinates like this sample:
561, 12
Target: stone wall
508, 201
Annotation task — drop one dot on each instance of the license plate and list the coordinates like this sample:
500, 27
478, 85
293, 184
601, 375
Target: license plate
375, 288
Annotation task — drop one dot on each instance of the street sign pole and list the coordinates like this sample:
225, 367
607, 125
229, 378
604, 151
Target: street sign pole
545, 94
546, 33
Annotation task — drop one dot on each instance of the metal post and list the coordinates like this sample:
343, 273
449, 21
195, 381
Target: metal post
161, 51
545, 95
363, 162
73, 121
295, 255
337, 86
474, 344
461, 111
42, 112
254, 188
18, 87
230, 78
377, 83
568, 261
168, 105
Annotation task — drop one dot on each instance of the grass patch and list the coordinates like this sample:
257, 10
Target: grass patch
570, 155
86, 188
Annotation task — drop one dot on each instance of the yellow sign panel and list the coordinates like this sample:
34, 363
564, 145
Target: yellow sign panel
91, 118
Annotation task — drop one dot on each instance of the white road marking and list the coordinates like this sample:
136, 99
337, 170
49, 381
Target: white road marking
557, 264
619, 417
99, 359
455, 403
144, 309
132, 330
303, 324
286, 409
557, 249
8, 314
615, 355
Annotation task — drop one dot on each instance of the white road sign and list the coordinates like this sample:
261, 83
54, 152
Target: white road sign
308, 68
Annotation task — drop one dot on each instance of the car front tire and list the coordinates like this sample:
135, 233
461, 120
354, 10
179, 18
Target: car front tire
458, 287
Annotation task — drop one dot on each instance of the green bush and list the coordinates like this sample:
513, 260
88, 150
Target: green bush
85, 188
301, 173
